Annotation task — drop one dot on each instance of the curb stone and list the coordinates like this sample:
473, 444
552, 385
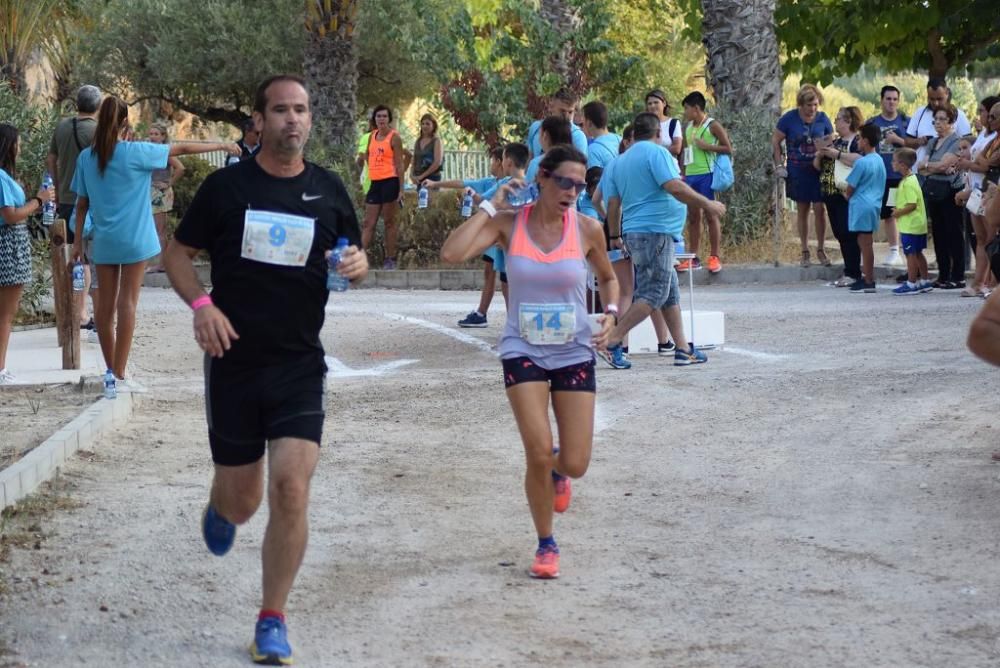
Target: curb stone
25, 475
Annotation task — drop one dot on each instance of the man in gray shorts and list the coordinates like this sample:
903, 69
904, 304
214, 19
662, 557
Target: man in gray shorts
646, 199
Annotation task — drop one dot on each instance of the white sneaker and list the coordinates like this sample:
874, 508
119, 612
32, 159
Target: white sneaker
7, 378
92, 336
129, 385
893, 259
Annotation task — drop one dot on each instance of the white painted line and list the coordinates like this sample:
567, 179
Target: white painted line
768, 357
442, 329
338, 369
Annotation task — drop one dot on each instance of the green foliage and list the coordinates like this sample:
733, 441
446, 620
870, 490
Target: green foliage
35, 124
824, 39
41, 279
422, 232
195, 171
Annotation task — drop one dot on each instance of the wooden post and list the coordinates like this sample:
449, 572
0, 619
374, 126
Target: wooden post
67, 325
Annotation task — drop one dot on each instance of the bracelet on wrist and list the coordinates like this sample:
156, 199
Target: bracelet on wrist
201, 302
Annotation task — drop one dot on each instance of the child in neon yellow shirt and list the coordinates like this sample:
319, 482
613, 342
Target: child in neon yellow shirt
911, 218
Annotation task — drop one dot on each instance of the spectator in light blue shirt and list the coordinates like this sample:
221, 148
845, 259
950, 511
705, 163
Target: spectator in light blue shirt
553, 130
561, 104
604, 145
865, 184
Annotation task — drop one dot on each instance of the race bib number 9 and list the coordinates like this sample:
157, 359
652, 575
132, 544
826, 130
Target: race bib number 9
547, 324
277, 238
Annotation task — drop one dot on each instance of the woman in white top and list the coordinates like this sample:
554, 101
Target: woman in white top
671, 134
975, 171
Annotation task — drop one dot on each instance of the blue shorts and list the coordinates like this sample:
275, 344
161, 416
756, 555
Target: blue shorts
912, 243
861, 218
495, 255
701, 184
653, 257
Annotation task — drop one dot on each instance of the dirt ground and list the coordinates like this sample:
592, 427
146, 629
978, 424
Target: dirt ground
29, 416
820, 493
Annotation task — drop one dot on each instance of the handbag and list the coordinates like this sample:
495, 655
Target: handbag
840, 174
975, 203
938, 190
722, 173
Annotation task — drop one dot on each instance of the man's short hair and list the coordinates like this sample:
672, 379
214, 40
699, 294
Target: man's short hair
937, 82
906, 156
260, 97
566, 95
518, 154
248, 125
889, 89
694, 99
558, 130
871, 133
645, 126
597, 113
88, 99
496, 153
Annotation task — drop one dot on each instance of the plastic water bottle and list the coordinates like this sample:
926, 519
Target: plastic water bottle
78, 282
422, 198
110, 392
334, 281
467, 204
48, 208
679, 248
524, 195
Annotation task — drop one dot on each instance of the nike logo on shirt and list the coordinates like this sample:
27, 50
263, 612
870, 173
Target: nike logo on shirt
309, 198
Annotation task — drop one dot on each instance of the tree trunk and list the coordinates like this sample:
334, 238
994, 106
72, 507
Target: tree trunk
331, 70
564, 19
743, 66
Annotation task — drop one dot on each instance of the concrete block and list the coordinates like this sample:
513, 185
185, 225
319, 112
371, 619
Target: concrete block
28, 474
709, 330
424, 279
84, 435
393, 280
457, 279
11, 489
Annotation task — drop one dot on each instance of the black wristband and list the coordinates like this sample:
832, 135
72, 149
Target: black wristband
615, 237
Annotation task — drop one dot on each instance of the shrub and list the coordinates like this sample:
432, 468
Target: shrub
195, 171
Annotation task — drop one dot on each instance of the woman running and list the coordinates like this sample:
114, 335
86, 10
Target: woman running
385, 195
547, 346
162, 191
112, 182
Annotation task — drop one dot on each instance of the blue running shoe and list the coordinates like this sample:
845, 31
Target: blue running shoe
218, 532
689, 357
270, 643
474, 319
907, 289
615, 357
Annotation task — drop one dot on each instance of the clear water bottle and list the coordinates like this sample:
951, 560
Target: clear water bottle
524, 195
422, 197
467, 204
78, 282
110, 391
48, 208
334, 281
679, 248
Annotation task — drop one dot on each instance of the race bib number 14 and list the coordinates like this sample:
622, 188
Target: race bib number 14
277, 238
547, 324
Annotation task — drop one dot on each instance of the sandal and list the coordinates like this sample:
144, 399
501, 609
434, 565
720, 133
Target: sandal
843, 282
823, 259
970, 292
804, 262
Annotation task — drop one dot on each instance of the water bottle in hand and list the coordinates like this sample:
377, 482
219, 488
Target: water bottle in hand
467, 204
334, 281
78, 283
48, 208
422, 198
524, 195
679, 248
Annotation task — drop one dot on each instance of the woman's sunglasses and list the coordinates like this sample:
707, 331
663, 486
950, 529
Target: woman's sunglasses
566, 183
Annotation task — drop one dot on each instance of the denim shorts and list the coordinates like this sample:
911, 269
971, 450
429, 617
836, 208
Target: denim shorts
653, 257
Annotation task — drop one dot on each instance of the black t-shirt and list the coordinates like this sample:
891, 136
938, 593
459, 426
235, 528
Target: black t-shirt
277, 310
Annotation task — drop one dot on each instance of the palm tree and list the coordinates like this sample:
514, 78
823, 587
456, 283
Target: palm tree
564, 19
331, 69
743, 66
24, 26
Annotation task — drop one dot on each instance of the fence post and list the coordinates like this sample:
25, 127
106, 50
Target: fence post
67, 327
779, 219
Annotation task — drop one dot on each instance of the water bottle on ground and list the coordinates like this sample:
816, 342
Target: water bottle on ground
422, 198
334, 281
679, 248
48, 208
78, 282
110, 392
467, 204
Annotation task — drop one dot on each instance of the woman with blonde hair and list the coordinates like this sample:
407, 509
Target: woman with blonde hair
161, 193
112, 182
804, 130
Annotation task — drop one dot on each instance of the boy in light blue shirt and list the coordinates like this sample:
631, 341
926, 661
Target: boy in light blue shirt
865, 185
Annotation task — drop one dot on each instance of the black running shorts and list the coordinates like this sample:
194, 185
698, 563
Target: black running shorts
247, 406
383, 191
573, 378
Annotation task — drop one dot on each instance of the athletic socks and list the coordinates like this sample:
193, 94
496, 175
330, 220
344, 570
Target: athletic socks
549, 542
278, 614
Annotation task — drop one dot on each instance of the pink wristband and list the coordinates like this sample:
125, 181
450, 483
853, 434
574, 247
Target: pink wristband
201, 302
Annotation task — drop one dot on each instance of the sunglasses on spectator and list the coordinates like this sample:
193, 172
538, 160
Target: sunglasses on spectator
566, 183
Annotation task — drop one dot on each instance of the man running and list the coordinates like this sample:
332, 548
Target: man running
268, 224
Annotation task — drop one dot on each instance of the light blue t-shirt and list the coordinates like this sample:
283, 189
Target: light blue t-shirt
585, 205
480, 185
868, 180
638, 177
534, 140
490, 192
124, 232
609, 170
11, 193
532, 170
603, 150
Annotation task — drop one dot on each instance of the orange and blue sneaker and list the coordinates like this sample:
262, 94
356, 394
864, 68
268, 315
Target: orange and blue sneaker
218, 532
714, 264
685, 265
546, 566
564, 492
270, 643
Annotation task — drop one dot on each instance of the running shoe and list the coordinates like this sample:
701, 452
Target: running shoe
389, 264
689, 357
684, 265
667, 348
696, 263
564, 492
131, 386
89, 325
714, 264
474, 319
907, 289
270, 643
92, 336
926, 286
893, 259
615, 357
546, 566
218, 532
860, 287
7, 378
